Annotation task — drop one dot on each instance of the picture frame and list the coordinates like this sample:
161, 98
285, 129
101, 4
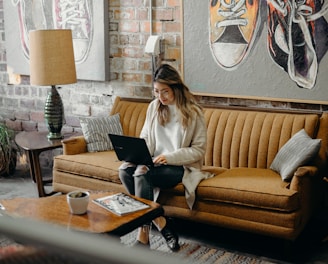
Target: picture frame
90, 33
257, 76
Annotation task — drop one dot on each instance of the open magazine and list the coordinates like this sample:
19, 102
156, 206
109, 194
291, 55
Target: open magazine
120, 203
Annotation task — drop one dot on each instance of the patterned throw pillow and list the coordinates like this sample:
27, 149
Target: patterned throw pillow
96, 130
297, 151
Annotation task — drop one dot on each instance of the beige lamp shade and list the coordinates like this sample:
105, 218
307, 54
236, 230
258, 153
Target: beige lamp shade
52, 57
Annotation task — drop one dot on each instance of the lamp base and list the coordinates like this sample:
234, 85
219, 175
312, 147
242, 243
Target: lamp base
53, 114
54, 136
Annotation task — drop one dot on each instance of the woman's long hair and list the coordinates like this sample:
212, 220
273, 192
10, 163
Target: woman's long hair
184, 99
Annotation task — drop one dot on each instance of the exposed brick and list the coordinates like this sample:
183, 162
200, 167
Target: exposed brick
126, 13
113, 39
41, 126
132, 77
133, 52
22, 90
114, 3
157, 27
11, 103
172, 27
37, 116
145, 65
136, 3
30, 126
142, 14
142, 91
14, 125
113, 26
173, 53
22, 115
99, 111
67, 129
148, 78
177, 14
163, 14
72, 121
129, 26
27, 103
81, 110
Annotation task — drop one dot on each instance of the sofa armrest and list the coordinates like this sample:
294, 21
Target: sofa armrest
306, 170
301, 176
74, 145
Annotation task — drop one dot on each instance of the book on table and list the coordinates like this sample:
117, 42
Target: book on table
120, 203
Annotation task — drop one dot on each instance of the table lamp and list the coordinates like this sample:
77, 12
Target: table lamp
52, 63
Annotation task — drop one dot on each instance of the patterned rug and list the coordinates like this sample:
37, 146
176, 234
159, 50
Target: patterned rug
193, 252
196, 252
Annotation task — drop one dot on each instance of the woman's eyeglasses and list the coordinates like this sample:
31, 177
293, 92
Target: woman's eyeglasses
161, 93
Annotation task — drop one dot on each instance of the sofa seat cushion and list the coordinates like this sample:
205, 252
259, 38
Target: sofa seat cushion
100, 165
261, 188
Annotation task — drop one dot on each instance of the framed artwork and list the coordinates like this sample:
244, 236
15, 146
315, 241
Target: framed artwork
267, 48
87, 19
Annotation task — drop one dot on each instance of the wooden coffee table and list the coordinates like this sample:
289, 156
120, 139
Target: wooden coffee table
54, 209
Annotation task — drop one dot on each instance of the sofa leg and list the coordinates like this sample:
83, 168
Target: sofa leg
290, 250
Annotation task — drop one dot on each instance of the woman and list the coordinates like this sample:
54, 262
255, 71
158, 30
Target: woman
175, 133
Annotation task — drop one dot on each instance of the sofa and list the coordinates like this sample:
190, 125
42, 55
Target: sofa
246, 193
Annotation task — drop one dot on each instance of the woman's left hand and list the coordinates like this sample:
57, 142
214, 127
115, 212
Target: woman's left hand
160, 159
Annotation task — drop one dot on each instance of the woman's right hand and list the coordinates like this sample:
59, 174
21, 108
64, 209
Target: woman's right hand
160, 159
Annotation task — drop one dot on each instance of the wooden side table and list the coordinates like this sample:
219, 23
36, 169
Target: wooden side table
34, 143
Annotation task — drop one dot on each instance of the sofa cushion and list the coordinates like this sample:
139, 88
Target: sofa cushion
298, 151
261, 188
96, 129
99, 165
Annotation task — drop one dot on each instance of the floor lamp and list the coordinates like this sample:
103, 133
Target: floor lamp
52, 63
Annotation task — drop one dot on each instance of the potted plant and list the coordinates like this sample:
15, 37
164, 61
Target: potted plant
8, 153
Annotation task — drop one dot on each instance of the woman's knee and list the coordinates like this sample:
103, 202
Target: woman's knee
124, 174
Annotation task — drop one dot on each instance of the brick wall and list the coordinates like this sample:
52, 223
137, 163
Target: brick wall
21, 105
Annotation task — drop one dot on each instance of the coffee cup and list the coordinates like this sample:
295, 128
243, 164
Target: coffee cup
78, 201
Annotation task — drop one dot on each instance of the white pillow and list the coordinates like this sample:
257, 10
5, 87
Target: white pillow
96, 130
297, 151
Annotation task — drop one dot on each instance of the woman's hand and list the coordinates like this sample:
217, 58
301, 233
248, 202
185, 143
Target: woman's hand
160, 159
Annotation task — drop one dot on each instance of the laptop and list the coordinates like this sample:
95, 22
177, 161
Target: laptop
131, 149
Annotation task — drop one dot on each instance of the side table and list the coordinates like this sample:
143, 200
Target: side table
34, 143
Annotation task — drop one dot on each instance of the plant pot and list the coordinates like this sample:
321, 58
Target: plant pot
8, 152
6, 169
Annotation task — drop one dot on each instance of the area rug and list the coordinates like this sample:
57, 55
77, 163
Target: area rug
192, 251
196, 252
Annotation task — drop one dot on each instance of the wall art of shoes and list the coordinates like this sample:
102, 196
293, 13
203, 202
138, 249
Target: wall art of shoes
57, 14
297, 34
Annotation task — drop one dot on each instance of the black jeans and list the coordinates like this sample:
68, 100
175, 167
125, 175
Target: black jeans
163, 177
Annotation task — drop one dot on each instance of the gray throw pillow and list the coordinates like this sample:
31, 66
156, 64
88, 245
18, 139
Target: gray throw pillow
96, 129
297, 151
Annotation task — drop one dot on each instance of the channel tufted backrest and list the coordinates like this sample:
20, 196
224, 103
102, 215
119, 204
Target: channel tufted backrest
132, 115
251, 138
236, 138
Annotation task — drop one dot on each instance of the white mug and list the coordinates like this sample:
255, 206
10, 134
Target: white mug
78, 201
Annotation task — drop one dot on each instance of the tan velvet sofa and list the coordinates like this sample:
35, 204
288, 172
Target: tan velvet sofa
245, 194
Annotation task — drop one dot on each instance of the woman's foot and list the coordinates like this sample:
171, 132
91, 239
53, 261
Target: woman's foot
143, 236
169, 234
137, 243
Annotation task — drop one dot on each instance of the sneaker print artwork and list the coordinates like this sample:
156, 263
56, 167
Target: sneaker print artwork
57, 14
294, 28
233, 26
297, 34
